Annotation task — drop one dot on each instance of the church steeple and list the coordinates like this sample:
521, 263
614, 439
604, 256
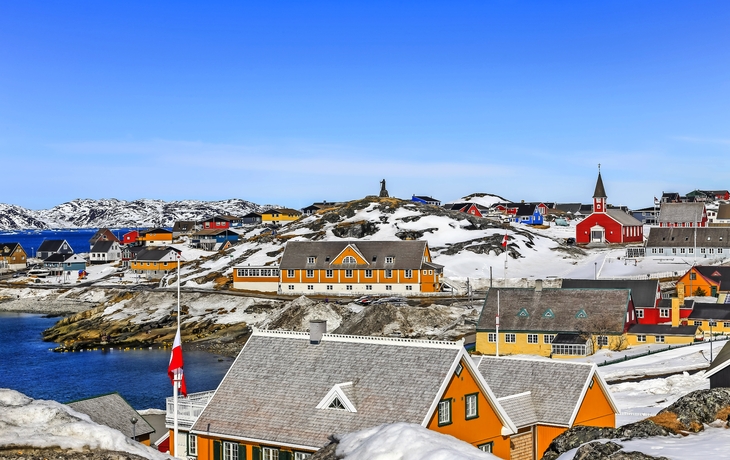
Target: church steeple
599, 195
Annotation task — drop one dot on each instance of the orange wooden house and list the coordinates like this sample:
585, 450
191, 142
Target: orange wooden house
155, 237
346, 268
287, 392
154, 263
705, 280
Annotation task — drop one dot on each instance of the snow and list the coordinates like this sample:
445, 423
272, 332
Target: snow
405, 441
43, 424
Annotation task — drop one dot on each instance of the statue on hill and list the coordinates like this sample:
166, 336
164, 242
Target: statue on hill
383, 191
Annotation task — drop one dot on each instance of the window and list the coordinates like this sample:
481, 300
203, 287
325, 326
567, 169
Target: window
509, 338
291, 287
531, 338
681, 250
329, 273
486, 447
302, 455
691, 250
368, 287
430, 272
408, 274
310, 287
425, 272
348, 287
311, 260
192, 444
664, 312
639, 312
602, 340
444, 412
329, 287
349, 260
548, 338
268, 453
409, 288
719, 250
702, 250
659, 338
573, 350
388, 273
290, 273
388, 287
698, 323
458, 370
713, 323
641, 338
653, 250
368, 273
389, 260
230, 450
492, 337
472, 410
348, 273
726, 324
310, 273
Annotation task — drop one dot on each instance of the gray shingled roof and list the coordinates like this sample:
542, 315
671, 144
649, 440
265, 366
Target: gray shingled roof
273, 388
600, 191
721, 361
153, 254
662, 329
718, 312
521, 409
556, 387
527, 310
623, 218
408, 254
103, 246
707, 237
113, 411
681, 212
643, 292
50, 245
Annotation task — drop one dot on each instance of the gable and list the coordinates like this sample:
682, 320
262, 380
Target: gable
349, 251
596, 406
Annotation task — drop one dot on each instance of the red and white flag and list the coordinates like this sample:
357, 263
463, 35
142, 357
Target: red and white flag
504, 241
176, 363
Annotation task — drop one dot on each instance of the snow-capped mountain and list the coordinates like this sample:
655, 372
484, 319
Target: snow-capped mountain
87, 213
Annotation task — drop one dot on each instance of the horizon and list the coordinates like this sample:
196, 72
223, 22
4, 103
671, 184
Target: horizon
292, 103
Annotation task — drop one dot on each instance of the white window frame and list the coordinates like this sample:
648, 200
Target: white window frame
492, 337
641, 338
388, 287
409, 288
349, 273
310, 287
471, 403
310, 273
348, 287
602, 340
548, 338
726, 324
408, 273
311, 260
302, 455
664, 312
388, 273
639, 312
659, 338
368, 273
389, 259
230, 450
444, 412
349, 260
269, 453
532, 338
697, 323
368, 287
290, 273
510, 337
192, 444
329, 273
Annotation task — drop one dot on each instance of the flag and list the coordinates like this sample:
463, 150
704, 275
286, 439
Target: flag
656, 200
176, 362
504, 241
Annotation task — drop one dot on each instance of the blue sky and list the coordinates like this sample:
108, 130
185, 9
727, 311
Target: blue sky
294, 102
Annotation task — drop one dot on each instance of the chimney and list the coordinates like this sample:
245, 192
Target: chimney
538, 285
317, 328
675, 311
680, 292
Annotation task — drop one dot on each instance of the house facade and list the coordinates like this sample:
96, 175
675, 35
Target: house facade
529, 214
155, 237
606, 225
105, 251
252, 218
645, 294
696, 243
50, 247
184, 227
280, 215
60, 264
130, 237
156, 262
13, 256
103, 234
212, 239
682, 215
704, 280
348, 268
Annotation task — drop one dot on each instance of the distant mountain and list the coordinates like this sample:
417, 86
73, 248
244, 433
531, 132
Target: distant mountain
87, 213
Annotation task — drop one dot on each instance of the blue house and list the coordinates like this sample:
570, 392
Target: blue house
528, 214
56, 264
426, 200
212, 239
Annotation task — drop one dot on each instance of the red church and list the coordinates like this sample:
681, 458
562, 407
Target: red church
608, 225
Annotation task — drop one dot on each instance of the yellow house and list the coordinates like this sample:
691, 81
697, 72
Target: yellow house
154, 263
280, 215
554, 322
672, 333
331, 268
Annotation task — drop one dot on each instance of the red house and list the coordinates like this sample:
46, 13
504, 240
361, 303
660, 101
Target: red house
608, 225
130, 237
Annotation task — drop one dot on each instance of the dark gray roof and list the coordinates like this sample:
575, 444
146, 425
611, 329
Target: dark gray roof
104, 234
667, 303
721, 361
58, 257
556, 387
272, 390
599, 192
662, 329
681, 212
622, 218
51, 245
521, 409
153, 254
103, 246
718, 274
156, 230
556, 310
643, 292
113, 411
570, 338
572, 208
407, 254
184, 226
707, 237
716, 311
525, 209
7, 249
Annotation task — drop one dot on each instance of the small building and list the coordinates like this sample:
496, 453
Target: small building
528, 213
50, 247
130, 237
319, 206
425, 200
260, 278
682, 215
155, 262
697, 243
252, 218
114, 411
13, 256
710, 319
473, 209
184, 227
105, 251
211, 239
155, 237
222, 222
647, 216
705, 280
103, 234
129, 253
723, 215
280, 215
719, 370
64, 264
606, 225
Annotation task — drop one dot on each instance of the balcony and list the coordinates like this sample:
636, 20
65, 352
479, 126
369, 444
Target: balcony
188, 409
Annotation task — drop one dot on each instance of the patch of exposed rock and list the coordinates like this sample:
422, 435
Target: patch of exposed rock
65, 454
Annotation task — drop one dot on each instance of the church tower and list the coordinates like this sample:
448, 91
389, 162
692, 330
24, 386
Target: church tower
599, 196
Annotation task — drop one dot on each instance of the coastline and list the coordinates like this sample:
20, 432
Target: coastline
45, 306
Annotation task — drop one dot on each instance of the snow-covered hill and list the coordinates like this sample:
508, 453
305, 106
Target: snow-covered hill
87, 213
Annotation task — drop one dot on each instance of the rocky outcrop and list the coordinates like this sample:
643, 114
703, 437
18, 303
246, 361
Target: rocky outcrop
65, 454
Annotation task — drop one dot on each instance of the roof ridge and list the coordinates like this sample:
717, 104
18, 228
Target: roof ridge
516, 395
549, 361
362, 339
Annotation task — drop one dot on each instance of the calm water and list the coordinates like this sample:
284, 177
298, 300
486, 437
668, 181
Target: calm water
140, 376
31, 239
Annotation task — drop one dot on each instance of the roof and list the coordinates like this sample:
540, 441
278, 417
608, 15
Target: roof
103, 233
525, 209
556, 388
667, 303
153, 254
572, 208
282, 211
721, 361
599, 192
718, 274
570, 338
113, 411
555, 310
723, 212
425, 198
156, 230
51, 245
280, 379
8, 248
622, 218
681, 212
58, 257
716, 311
215, 231
706, 237
184, 225
662, 329
103, 246
407, 254
643, 292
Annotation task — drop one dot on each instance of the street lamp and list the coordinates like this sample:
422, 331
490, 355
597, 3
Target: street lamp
711, 321
595, 270
134, 425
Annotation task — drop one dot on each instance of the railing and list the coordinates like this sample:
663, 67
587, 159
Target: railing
188, 409
655, 351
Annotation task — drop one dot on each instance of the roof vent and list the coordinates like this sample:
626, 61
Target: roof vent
538, 285
317, 328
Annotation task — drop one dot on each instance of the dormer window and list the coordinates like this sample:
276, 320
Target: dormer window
389, 259
311, 259
336, 404
349, 260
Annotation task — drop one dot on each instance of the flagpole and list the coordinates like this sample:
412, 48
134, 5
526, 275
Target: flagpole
497, 323
177, 371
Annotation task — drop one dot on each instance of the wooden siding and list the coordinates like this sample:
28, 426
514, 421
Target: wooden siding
545, 435
595, 410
